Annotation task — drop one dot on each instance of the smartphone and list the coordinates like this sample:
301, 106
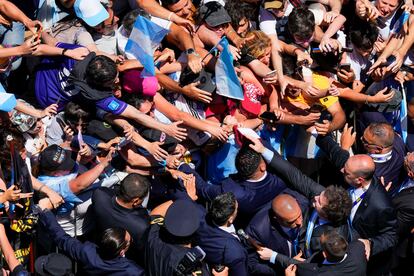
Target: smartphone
269, 117
345, 66
271, 74
391, 59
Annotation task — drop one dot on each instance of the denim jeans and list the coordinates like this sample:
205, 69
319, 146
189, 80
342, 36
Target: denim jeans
13, 36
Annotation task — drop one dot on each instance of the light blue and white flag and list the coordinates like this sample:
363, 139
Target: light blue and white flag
228, 85
403, 115
143, 41
399, 24
7, 100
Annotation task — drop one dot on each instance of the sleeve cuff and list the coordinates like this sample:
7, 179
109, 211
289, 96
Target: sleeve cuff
273, 257
268, 155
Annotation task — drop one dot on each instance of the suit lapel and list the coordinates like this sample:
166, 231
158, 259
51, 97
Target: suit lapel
364, 203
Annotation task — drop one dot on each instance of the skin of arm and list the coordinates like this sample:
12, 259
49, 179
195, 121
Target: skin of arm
87, 178
172, 113
132, 113
134, 159
180, 38
12, 12
338, 117
335, 5
152, 7
161, 209
7, 250
276, 59
334, 27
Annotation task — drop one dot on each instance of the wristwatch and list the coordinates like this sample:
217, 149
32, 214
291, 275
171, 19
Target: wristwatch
190, 51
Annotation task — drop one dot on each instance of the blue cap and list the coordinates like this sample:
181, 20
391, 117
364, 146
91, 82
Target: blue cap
182, 218
91, 11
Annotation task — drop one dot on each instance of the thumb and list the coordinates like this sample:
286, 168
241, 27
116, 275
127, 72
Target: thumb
195, 83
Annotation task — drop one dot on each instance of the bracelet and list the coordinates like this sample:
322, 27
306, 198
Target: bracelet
64, 51
41, 187
170, 15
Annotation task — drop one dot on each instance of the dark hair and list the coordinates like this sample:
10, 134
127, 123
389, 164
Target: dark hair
247, 161
75, 112
363, 34
383, 133
111, 243
130, 18
334, 245
166, 3
222, 207
301, 23
289, 66
239, 10
135, 100
100, 71
133, 186
339, 205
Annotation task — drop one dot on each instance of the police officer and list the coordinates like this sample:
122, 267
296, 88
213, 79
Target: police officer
169, 249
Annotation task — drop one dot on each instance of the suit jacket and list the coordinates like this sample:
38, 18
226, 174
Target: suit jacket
269, 234
404, 206
354, 264
251, 196
309, 188
375, 217
222, 248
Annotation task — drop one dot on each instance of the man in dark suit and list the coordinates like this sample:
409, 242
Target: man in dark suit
217, 236
277, 229
252, 186
330, 206
372, 216
336, 258
125, 208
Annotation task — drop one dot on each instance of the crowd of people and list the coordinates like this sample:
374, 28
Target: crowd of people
253, 137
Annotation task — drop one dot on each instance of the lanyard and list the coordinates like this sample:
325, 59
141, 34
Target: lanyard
309, 230
358, 200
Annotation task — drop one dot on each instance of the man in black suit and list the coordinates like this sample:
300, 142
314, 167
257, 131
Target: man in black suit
336, 258
278, 229
217, 236
372, 216
253, 187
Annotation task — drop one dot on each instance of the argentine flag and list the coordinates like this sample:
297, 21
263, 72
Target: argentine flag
227, 83
7, 100
143, 41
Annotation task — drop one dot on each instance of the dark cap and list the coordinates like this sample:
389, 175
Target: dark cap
182, 218
154, 135
214, 14
205, 78
56, 158
53, 264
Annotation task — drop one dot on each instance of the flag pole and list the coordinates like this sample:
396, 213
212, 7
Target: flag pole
212, 49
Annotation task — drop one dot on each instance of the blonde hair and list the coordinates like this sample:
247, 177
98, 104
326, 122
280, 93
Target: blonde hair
257, 45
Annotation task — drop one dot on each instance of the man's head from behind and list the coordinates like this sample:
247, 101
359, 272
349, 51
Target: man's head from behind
378, 138
249, 164
101, 73
223, 209
333, 204
334, 246
301, 25
358, 170
409, 164
286, 211
134, 188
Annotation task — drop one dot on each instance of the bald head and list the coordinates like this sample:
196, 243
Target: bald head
287, 210
359, 170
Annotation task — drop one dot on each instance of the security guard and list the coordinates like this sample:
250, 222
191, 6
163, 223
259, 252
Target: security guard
169, 250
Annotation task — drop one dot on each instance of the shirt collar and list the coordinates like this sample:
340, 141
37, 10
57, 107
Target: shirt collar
258, 180
229, 229
381, 158
330, 263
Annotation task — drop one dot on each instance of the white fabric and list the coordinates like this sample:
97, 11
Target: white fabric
268, 22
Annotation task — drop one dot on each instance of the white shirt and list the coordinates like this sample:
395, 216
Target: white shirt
230, 229
355, 194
